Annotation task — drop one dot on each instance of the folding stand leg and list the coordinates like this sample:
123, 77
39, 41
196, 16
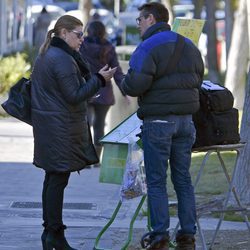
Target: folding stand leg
203, 241
132, 223
172, 238
96, 247
201, 235
230, 190
242, 208
124, 247
195, 184
197, 179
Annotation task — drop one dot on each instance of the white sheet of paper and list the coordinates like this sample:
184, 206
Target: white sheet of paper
211, 86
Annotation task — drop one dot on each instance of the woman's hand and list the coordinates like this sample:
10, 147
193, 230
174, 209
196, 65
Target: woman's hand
107, 73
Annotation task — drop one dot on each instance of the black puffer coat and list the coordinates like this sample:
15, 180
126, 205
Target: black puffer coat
62, 142
159, 93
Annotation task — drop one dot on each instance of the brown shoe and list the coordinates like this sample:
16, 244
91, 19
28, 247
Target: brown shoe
154, 241
162, 245
185, 242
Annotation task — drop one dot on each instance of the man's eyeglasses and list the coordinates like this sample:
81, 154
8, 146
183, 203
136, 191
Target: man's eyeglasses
79, 34
139, 19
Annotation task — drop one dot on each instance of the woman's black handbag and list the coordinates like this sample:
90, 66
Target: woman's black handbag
18, 103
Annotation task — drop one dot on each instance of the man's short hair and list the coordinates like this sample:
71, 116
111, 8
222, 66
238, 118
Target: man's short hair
158, 10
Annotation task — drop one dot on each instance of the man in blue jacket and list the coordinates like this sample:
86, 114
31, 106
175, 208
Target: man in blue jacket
166, 104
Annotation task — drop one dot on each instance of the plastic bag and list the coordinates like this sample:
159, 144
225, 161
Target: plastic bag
134, 179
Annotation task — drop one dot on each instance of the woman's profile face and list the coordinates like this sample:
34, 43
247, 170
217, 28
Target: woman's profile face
74, 38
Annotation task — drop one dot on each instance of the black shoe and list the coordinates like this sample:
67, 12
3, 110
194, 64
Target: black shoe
97, 165
185, 242
57, 241
43, 238
155, 241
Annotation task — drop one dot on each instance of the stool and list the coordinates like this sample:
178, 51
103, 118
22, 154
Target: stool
231, 189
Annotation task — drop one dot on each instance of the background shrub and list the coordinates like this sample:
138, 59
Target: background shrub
12, 68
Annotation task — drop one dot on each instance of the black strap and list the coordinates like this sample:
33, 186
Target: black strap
172, 63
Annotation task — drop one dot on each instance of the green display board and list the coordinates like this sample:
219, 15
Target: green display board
115, 149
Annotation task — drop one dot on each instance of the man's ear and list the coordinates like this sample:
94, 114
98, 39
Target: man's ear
151, 19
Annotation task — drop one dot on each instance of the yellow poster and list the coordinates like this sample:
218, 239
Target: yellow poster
190, 28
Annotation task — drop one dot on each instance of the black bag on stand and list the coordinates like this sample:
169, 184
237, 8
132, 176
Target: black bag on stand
216, 100
216, 122
18, 103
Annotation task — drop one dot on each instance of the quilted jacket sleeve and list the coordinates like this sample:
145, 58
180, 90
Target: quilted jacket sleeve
140, 74
74, 88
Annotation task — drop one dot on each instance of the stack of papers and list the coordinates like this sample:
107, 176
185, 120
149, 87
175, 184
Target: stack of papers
126, 130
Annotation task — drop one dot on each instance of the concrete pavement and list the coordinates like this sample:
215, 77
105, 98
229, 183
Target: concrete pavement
88, 203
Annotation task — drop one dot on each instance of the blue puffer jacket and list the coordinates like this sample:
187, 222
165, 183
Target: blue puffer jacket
160, 93
62, 142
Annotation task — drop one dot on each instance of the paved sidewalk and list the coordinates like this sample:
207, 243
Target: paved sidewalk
88, 204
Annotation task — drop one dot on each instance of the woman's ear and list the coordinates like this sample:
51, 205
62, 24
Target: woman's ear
63, 34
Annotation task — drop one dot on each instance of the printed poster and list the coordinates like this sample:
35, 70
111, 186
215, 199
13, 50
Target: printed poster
190, 28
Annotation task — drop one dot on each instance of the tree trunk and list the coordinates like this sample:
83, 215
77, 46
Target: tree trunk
198, 4
238, 56
211, 42
85, 6
242, 178
228, 23
168, 5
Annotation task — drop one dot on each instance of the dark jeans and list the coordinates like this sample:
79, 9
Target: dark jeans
52, 198
96, 115
169, 139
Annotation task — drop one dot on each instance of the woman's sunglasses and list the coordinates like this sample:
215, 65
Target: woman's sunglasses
79, 34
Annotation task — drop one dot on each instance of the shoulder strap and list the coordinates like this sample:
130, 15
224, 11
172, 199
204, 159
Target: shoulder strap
176, 54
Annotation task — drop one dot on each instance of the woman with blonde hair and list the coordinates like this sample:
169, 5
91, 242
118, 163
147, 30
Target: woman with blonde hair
61, 84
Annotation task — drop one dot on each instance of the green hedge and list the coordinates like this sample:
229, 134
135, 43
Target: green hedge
12, 68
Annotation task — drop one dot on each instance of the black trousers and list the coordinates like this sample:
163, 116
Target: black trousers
52, 199
97, 115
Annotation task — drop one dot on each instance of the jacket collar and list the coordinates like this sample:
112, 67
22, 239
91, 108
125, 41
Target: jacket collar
156, 28
82, 64
60, 43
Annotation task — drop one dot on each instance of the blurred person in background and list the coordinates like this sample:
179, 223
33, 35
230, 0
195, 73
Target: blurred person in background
61, 86
98, 51
41, 28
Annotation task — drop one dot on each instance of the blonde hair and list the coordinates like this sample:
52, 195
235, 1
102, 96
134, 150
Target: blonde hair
64, 22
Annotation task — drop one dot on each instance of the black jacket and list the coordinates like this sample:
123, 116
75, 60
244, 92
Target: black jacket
91, 49
160, 93
62, 141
